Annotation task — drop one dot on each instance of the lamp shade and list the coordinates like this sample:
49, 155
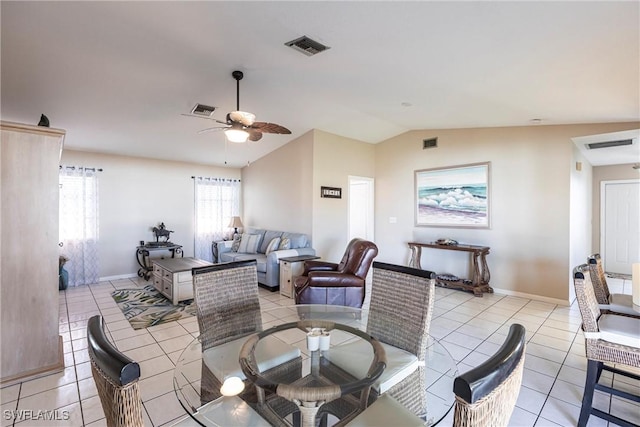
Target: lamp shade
235, 222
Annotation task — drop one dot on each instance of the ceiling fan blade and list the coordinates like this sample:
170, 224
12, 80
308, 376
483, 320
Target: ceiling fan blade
216, 128
270, 128
254, 135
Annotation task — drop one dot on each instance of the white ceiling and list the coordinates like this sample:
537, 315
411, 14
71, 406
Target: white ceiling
118, 75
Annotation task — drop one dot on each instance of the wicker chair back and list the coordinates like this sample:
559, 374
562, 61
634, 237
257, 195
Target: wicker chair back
116, 377
401, 307
227, 302
598, 279
400, 315
487, 394
585, 295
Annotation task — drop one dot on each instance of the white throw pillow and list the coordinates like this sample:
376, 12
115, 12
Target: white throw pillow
273, 245
249, 243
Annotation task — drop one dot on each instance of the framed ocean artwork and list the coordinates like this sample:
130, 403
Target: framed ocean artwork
455, 196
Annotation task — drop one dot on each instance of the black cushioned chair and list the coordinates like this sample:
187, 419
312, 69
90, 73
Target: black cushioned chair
116, 377
337, 284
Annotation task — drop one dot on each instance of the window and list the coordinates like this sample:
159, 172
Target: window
79, 223
216, 201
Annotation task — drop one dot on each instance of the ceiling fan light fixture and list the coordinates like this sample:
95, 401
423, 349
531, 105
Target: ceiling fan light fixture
236, 135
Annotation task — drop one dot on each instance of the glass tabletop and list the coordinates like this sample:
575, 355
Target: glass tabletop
440, 369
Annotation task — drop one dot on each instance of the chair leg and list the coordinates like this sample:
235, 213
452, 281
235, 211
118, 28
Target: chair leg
594, 369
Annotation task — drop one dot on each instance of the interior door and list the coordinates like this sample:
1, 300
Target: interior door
361, 208
620, 225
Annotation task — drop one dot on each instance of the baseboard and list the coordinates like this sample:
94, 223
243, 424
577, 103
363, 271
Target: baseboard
39, 372
118, 277
509, 292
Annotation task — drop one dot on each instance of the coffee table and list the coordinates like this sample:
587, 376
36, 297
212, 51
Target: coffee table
172, 277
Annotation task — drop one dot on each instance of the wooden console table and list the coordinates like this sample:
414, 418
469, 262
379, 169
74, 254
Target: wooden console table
479, 282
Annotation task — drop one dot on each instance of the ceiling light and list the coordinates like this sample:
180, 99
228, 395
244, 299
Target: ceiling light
236, 135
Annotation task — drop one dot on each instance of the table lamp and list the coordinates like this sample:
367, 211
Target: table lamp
235, 223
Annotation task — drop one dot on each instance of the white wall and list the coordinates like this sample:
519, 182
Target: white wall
530, 197
137, 194
335, 158
276, 188
580, 236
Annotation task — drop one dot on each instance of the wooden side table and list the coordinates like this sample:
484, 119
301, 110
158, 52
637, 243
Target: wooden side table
480, 276
291, 267
144, 260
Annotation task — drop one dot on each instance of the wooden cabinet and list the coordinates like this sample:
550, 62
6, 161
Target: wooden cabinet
172, 277
29, 168
291, 267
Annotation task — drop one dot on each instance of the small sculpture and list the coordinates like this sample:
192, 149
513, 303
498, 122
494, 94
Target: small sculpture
44, 121
162, 231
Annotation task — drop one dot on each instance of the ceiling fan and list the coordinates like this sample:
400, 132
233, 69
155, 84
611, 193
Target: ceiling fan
241, 125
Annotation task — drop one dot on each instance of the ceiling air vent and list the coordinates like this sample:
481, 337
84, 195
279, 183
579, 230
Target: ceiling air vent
607, 144
429, 143
203, 110
307, 46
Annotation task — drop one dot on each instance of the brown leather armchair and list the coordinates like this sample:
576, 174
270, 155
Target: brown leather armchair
337, 284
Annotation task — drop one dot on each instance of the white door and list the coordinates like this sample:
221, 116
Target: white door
361, 207
620, 225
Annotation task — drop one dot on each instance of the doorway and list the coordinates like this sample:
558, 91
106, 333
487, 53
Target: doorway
361, 208
620, 225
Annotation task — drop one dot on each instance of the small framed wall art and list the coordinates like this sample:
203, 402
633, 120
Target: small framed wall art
331, 192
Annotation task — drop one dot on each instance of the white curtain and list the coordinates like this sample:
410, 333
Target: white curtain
79, 223
216, 201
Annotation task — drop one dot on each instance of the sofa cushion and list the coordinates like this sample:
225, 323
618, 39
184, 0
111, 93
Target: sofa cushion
268, 237
298, 240
273, 245
285, 244
249, 243
261, 259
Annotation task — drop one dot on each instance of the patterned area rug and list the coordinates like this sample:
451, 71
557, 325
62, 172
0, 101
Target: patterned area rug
148, 307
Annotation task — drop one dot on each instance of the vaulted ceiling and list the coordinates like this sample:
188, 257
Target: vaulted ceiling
118, 75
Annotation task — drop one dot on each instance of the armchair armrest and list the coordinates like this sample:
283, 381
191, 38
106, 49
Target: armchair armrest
313, 265
328, 279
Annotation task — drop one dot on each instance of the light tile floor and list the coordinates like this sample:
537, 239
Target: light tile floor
470, 328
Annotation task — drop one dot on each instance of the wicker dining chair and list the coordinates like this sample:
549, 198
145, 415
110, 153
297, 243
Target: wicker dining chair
228, 311
400, 314
116, 377
609, 303
609, 338
487, 394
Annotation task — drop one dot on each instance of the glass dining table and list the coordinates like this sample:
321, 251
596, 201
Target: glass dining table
294, 325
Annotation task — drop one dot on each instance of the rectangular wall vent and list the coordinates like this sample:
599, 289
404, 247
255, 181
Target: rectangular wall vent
429, 143
203, 110
307, 46
607, 144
